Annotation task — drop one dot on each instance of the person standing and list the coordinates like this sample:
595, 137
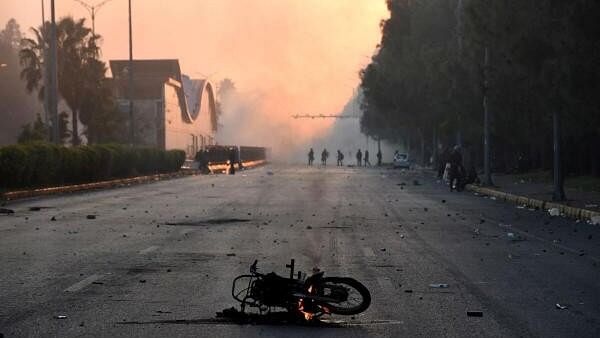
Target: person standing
367, 163
232, 161
359, 158
379, 158
311, 157
456, 169
324, 156
340, 158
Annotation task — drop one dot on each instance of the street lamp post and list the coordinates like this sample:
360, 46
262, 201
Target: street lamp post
130, 86
93, 10
53, 76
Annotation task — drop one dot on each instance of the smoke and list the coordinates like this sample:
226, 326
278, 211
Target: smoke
246, 121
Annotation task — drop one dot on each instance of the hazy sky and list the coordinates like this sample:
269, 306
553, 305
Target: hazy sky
299, 56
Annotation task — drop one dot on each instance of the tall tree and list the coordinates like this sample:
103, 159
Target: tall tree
78, 61
16, 106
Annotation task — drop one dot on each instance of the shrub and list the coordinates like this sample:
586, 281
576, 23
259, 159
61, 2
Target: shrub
42, 164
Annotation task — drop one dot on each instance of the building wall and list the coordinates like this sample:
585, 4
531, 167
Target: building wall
179, 132
148, 123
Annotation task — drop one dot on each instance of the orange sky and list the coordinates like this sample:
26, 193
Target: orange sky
300, 56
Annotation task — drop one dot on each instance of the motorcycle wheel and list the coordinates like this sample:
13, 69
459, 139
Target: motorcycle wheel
358, 299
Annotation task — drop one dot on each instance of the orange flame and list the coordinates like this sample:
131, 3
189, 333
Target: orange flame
307, 315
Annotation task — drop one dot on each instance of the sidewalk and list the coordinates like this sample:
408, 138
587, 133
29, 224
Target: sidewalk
582, 203
578, 198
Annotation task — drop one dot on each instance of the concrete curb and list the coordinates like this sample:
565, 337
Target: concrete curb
572, 212
21, 194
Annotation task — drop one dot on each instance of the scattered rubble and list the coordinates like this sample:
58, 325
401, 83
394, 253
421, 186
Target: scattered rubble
561, 307
514, 237
554, 212
474, 313
439, 286
90, 216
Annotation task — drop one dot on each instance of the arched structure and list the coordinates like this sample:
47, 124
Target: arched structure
171, 111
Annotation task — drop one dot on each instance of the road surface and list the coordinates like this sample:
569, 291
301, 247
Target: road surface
158, 259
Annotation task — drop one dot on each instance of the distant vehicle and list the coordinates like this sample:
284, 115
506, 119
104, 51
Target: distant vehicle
401, 161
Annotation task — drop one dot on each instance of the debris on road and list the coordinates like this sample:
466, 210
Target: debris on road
515, 237
474, 313
408, 291
65, 317
439, 286
554, 212
142, 281
90, 216
270, 173
53, 219
561, 307
416, 182
231, 254
308, 227
6, 211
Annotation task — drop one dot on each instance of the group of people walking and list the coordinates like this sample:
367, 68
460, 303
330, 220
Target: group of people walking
361, 160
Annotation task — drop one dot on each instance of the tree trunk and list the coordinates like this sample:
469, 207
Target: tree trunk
75, 128
434, 148
422, 140
559, 191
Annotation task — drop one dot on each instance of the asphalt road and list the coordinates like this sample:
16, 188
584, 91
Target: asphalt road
158, 259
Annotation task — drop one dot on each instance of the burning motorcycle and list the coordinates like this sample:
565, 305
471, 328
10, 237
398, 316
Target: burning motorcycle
307, 298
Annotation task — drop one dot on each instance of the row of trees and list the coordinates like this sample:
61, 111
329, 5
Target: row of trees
438, 59
82, 83
83, 86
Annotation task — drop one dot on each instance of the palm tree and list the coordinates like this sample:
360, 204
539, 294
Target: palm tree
77, 52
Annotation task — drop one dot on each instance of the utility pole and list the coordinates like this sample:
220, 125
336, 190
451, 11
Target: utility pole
53, 77
93, 10
130, 86
487, 180
45, 71
559, 191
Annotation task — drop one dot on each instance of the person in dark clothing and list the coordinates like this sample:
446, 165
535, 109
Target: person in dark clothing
359, 158
379, 157
311, 157
471, 177
324, 156
456, 169
232, 161
340, 159
442, 160
367, 163
202, 159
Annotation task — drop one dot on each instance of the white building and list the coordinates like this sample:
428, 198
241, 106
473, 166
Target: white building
171, 111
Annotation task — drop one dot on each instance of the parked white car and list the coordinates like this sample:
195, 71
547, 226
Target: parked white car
401, 161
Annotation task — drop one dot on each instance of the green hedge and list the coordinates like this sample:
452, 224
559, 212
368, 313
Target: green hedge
42, 165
